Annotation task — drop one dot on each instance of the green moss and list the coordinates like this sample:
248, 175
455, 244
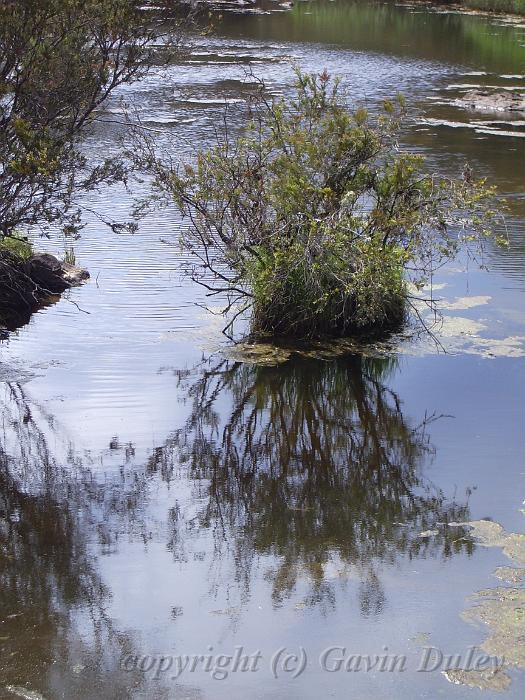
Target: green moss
17, 245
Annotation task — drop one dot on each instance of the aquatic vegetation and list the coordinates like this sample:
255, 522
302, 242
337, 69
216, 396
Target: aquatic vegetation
515, 6
501, 609
314, 221
491, 534
487, 679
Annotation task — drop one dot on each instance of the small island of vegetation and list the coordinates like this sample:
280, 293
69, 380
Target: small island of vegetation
315, 221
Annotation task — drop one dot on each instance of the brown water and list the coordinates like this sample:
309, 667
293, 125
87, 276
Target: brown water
158, 499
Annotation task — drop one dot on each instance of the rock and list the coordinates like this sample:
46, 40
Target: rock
26, 285
490, 101
52, 275
73, 275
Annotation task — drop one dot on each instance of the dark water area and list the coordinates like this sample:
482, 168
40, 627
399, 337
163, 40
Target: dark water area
160, 499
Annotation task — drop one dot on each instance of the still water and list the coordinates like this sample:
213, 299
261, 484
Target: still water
161, 500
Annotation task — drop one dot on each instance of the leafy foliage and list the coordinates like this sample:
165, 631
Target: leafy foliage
59, 61
315, 219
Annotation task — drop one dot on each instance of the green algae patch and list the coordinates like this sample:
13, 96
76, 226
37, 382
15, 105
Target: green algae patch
503, 611
263, 354
509, 574
487, 679
270, 355
464, 303
500, 609
491, 534
456, 336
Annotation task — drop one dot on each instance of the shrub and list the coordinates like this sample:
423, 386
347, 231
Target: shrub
315, 220
59, 62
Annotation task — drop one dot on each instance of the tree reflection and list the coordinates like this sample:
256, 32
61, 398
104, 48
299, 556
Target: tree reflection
308, 474
312, 463
55, 634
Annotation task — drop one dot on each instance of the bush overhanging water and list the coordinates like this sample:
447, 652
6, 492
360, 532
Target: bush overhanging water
315, 220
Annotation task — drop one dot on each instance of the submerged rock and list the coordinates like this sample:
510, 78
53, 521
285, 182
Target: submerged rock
503, 611
490, 101
491, 534
509, 574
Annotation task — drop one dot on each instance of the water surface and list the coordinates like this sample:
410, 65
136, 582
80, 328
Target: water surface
158, 498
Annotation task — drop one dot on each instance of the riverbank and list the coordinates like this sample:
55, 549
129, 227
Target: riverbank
27, 280
516, 7
504, 7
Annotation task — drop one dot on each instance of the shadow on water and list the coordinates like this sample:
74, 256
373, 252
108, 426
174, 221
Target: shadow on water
314, 464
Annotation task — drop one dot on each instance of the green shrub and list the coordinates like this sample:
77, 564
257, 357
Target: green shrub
60, 60
315, 220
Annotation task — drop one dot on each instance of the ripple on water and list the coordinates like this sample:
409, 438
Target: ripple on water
138, 298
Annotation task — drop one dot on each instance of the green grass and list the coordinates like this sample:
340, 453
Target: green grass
69, 256
17, 245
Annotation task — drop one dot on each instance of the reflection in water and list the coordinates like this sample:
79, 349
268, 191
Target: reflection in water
390, 28
55, 635
314, 464
309, 473
309, 469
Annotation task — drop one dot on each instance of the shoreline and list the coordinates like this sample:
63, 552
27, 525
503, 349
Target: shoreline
488, 8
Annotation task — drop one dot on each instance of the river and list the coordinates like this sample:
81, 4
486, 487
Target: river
163, 504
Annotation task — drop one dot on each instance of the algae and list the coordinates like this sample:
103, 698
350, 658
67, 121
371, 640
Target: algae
486, 679
501, 609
